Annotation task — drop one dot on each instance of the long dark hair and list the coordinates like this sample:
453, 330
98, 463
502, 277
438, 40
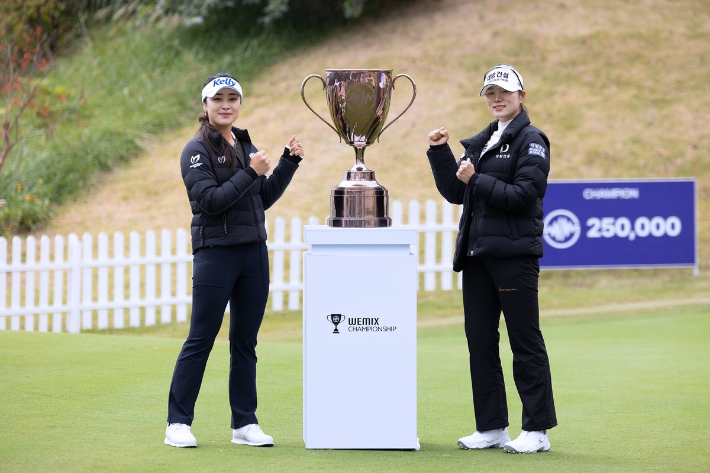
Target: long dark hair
213, 139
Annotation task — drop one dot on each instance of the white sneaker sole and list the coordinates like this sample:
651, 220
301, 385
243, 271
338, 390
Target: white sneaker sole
173, 444
253, 444
509, 449
463, 446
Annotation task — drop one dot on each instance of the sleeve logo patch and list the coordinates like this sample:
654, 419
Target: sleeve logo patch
537, 149
195, 161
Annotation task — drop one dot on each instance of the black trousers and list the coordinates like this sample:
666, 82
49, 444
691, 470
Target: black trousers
508, 284
238, 274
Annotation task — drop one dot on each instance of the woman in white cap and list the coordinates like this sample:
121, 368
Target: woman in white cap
225, 178
500, 180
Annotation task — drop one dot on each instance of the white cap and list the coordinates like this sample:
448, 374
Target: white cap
215, 85
504, 76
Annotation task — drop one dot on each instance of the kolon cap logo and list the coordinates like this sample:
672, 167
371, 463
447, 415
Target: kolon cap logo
224, 81
562, 229
335, 319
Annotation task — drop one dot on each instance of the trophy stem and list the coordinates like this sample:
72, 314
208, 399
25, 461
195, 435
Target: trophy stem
359, 159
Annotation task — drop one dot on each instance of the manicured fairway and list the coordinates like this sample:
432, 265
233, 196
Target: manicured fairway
632, 394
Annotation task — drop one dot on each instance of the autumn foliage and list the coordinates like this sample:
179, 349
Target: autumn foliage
23, 56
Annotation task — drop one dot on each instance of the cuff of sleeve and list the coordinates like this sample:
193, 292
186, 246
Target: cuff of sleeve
295, 159
438, 147
250, 170
472, 181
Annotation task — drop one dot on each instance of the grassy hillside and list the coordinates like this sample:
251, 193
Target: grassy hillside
619, 87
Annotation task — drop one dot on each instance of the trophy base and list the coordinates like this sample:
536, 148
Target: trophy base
359, 202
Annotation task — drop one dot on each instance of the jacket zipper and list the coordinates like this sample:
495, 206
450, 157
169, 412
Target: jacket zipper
251, 204
224, 215
253, 214
473, 219
474, 214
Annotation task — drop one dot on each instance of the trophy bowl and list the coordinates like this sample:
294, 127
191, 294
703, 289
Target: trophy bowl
358, 101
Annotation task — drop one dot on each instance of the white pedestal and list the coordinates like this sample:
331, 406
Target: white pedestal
360, 384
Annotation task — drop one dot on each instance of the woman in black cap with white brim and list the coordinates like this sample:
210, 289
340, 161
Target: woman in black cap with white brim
225, 178
500, 180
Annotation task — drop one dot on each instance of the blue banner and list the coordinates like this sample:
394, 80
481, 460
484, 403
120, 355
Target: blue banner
620, 223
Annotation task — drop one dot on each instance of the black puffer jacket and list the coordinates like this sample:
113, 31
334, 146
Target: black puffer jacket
502, 214
228, 206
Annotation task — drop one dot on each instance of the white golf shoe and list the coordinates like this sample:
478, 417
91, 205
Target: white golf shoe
180, 435
528, 442
252, 435
486, 439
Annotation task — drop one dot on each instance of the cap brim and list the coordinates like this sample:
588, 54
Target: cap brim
486, 87
212, 89
210, 95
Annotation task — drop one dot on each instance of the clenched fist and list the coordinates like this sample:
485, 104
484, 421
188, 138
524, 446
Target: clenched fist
260, 163
438, 137
465, 171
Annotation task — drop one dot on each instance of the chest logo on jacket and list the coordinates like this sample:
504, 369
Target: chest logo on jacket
222, 159
195, 161
504, 148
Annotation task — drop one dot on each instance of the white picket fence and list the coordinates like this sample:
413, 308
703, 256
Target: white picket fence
79, 286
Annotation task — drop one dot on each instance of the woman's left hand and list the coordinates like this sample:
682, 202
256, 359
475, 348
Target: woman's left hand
295, 146
465, 171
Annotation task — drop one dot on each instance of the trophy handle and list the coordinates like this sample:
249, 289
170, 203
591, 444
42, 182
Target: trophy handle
303, 85
414, 94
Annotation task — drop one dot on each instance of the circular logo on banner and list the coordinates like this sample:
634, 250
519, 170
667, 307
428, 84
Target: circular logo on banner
562, 229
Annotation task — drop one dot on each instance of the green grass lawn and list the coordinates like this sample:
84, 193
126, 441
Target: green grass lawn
631, 394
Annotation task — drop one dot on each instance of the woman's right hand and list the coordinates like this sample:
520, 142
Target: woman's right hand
260, 163
438, 137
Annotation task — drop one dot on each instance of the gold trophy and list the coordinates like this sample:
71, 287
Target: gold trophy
359, 100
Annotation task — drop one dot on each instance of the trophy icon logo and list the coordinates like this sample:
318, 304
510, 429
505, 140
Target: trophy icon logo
358, 101
335, 319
